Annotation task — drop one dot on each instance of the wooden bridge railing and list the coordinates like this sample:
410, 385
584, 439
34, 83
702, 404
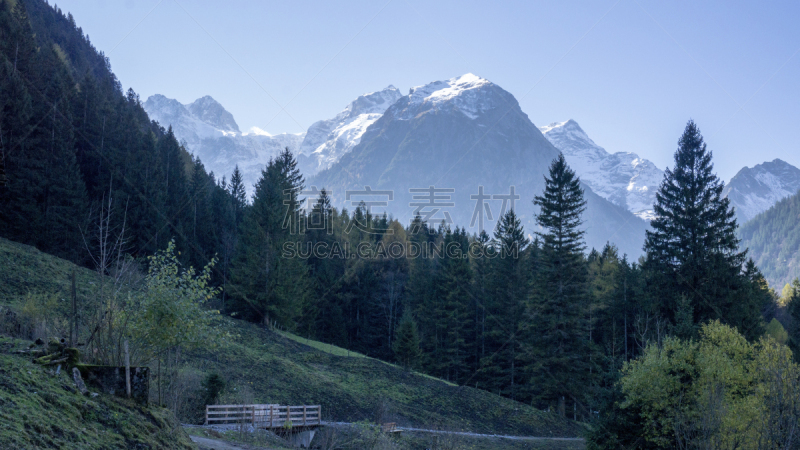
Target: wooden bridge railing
264, 416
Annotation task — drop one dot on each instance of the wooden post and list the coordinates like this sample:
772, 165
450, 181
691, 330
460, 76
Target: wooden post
304, 415
270, 415
253, 408
127, 370
206, 415
73, 329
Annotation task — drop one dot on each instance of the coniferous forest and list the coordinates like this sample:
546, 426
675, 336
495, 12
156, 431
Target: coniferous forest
532, 315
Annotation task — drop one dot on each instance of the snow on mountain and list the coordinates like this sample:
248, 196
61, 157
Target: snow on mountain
624, 179
211, 133
211, 112
754, 190
462, 93
327, 140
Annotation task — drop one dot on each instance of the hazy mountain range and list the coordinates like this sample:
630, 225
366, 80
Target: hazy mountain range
463, 134
327, 140
211, 133
754, 190
459, 134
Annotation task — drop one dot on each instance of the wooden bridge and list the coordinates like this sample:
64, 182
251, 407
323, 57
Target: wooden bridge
266, 416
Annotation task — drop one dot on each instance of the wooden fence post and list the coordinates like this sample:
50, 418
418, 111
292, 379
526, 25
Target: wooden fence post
73, 328
304, 415
127, 370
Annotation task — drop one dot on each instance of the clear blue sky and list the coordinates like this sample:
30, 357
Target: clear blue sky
630, 72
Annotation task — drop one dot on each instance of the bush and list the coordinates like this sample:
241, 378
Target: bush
212, 385
720, 391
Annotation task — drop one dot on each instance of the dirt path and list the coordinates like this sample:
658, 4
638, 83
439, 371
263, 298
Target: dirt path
478, 435
515, 438
204, 443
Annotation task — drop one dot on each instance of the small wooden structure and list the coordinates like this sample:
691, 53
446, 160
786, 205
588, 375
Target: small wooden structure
390, 427
266, 416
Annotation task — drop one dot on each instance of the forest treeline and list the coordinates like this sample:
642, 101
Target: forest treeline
774, 235
534, 316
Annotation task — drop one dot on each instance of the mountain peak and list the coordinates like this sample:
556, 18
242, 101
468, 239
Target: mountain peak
567, 125
327, 140
212, 112
622, 178
372, 102
568, 129
447, 89
754, 190
465, 92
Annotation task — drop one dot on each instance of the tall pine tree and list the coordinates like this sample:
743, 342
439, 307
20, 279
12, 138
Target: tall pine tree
558, 345
509, 287
267, 284
693, 261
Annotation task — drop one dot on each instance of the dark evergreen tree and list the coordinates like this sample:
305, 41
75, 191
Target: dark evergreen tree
558, 345
793, 305
509, 283
406, 342
481, 254
46, 198
238, 195
269, 281
693, 261
451, 311
423, 267
222, 211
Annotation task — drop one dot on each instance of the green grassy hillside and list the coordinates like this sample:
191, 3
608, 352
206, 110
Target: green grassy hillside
25, 270
42, 409
272, 368
265, 366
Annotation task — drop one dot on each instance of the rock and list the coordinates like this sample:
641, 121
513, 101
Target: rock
111, 380
55, 346
76, 375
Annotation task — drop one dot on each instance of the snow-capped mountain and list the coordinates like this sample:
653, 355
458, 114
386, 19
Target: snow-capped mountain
211, 133
327, 140
464, 94
622, 178
754, 190
463, 134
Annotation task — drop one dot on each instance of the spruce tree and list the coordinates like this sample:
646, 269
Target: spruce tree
451, 309
200, 229
267, 283
509, 288
423, 270
480, 254
238, 194
558, 346
792, 303
406, 342
693, 262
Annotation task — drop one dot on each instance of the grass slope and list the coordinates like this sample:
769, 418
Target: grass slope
25, 270
39, 409
264, 366
272, 368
